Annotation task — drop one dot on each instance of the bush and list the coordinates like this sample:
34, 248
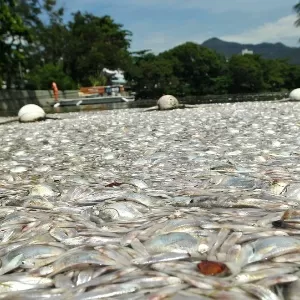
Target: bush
42, 77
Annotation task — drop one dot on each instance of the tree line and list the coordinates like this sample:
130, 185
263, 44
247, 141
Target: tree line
37, 46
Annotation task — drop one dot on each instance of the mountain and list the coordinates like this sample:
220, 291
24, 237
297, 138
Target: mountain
266, 50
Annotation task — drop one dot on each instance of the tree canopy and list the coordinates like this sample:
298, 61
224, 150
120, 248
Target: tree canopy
191, 69
35, 40
37, 46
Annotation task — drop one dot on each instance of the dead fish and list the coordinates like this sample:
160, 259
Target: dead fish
14, 263
142, 199
38, 202
293, 290
260, 291
290, 219
30, 253
181, 225
107, 291
12, 283
121, 210
269, 247
179, 242
44, 190
159, 258
74, 259
263, 274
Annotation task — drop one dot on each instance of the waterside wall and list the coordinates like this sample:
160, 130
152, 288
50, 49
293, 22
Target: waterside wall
12, 100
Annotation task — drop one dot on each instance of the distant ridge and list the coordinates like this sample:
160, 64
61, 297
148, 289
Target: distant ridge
266, 50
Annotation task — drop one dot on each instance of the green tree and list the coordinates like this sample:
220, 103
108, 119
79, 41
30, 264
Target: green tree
24, 37
13, 35
246, 74
292, 77
45, 22
152, 75
197, 68
188, 69
275, 73
80, 48
42, 77
93, 43
221, 84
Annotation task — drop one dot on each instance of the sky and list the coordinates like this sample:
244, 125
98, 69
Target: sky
162, 24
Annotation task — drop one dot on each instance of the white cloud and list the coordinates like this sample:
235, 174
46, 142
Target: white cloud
212, 21
156, 41
161, 41
282, 30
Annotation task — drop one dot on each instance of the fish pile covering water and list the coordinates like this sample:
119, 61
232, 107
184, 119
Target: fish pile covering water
184, 204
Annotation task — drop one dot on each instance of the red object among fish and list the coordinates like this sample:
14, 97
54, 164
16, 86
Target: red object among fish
207, 267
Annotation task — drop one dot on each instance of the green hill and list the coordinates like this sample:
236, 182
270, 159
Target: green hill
266, 50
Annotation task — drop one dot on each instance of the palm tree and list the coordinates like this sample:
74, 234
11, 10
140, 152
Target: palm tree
297, 10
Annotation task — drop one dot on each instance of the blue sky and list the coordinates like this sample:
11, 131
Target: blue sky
162, 24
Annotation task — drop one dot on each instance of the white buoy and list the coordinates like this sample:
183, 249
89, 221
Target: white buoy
31, 113
167, 102
295, 94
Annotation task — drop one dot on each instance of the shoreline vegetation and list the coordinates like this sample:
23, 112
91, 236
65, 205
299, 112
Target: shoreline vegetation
40, 47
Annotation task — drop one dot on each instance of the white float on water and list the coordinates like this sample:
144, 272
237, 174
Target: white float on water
295, 94
167, 102
31, 113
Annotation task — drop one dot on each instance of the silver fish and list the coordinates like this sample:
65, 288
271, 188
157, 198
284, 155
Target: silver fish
179, 242
32, 252
266, 248
72, 260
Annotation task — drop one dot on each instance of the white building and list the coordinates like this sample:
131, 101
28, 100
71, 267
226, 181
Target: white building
246, 51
